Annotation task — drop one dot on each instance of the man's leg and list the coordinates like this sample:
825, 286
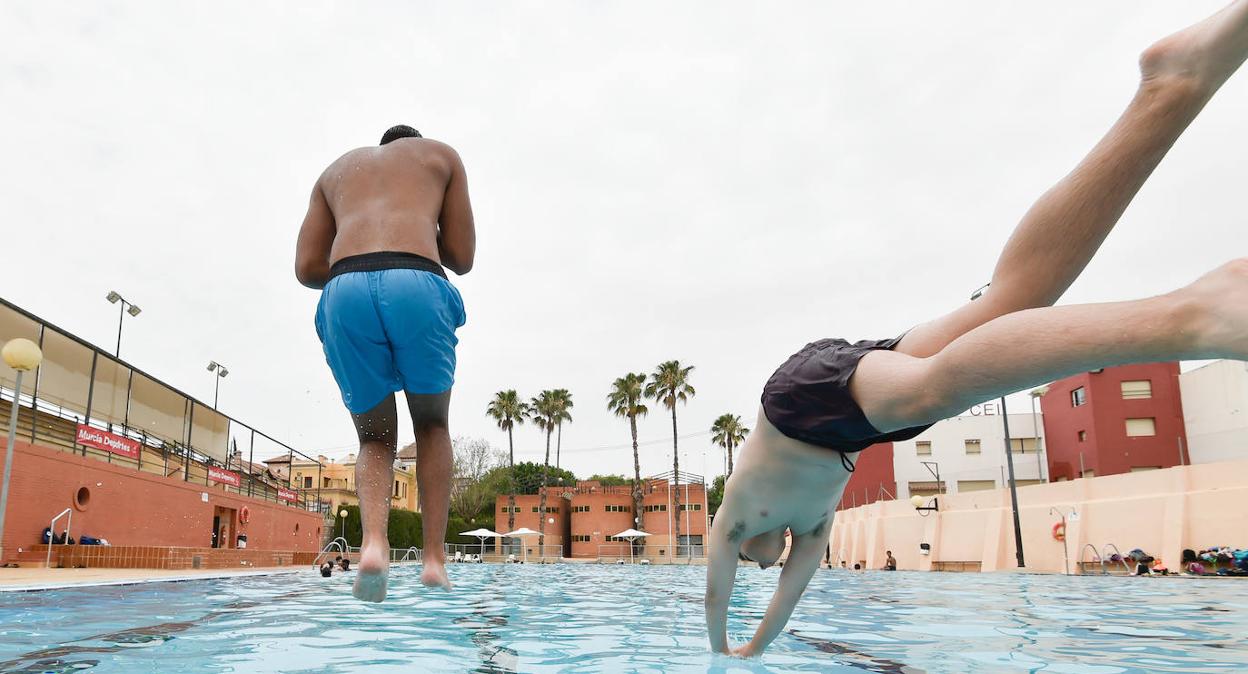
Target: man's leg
374, 473
1058, 236
1207, 319
433, 477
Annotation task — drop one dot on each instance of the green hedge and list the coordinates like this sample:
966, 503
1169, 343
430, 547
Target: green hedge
405, 528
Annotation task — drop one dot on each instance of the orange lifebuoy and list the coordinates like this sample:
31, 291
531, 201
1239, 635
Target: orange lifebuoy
1059, 531
244, 515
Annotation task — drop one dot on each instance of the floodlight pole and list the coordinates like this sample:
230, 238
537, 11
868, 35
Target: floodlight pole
1009, 462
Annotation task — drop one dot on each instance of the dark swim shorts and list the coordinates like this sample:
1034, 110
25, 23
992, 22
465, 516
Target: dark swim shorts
808, 398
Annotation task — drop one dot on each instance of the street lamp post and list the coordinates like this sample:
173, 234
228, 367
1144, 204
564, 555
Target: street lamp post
342, 532
114, 297
221, 373
22, 355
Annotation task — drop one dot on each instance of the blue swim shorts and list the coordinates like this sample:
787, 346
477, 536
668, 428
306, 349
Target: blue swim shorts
387, 323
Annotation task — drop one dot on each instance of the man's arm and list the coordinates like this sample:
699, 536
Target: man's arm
457, 234
721, 574
316, 237
803, 561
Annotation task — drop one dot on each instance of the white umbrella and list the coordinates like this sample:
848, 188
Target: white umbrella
481, 534
523, 531
631, 535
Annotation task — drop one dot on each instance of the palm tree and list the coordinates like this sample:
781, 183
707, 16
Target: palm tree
544, 410
508, 410
563, 403
728, 432
670, 385
625, 400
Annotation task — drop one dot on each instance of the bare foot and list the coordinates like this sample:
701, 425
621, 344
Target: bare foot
1206, 53
372, 573
434, 575
1222, 295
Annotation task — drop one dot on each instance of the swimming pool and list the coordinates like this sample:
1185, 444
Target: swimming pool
590, 618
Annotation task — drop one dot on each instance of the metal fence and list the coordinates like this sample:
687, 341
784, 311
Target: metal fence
85, 401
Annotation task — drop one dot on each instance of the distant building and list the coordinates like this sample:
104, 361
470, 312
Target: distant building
584, 519
873, 478
1115, 420
968, 452
332, 483
1215, 411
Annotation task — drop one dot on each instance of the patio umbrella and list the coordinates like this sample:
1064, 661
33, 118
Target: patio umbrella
631, 535
521, 532
481, 534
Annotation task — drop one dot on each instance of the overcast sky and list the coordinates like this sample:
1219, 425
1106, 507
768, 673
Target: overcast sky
713, 182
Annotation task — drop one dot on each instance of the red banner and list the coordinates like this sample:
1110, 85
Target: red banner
284, 494
224, 476
109, 442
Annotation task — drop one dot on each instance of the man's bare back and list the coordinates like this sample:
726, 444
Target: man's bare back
409, 195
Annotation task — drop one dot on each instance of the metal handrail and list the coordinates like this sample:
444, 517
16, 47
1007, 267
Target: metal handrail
1096, 557
418, 551
1117, 552
52, 533
342, 547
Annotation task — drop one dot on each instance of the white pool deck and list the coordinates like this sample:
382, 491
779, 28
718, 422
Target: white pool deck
30, 579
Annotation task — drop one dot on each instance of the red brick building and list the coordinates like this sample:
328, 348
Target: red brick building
1116, 420
584, 519
873, 478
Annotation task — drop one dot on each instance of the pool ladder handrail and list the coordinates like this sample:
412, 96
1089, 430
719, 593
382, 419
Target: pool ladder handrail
1122, 558
342, 547
47, 564
1096, 557
418, 551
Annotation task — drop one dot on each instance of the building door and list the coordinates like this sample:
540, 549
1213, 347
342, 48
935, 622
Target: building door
216, 527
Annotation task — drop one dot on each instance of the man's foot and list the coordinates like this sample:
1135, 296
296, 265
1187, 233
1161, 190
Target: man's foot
372, 573
434, 574
1221, 320
1204, 54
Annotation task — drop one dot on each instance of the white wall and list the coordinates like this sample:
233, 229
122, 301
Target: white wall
1215, 411
948, 440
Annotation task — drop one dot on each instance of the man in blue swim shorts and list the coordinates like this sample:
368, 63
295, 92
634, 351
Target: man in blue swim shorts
381, 225
833, 398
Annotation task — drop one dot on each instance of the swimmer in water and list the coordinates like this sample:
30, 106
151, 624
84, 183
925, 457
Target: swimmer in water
833, 399
381, 225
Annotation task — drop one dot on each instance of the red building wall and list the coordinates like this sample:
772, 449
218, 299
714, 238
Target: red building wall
129, 507
1106, 448
873, 468
556, 532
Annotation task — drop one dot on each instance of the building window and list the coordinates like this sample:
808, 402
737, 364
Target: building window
930, 488
1137, 389
1137, 428
307, 482
972, 447
580, 509
1144, 469
976, 485
923, 448
1078, 397
580, 538
1024, 445
1089, 473
1083, 436
691, 506
659, 508
618, 508
534, 508
510, 509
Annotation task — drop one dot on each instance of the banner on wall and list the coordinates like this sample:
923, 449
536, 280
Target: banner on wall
284, 494
109, 442
224, 476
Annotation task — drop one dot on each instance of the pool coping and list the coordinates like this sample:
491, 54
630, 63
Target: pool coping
43, 587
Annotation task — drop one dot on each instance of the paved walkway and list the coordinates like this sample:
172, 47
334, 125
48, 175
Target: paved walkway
38, 579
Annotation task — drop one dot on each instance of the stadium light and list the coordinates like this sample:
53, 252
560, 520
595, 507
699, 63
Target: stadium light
114, 297
22, 355
221, 372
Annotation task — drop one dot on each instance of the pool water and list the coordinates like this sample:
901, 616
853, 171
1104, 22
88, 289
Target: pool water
591, 618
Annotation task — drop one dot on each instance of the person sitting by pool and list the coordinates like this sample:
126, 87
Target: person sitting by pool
833, 399
381, 224
890, 564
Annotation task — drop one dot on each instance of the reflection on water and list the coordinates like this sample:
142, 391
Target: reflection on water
589, 618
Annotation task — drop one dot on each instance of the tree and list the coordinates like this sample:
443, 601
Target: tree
625, 400
508, 411
473, 459
527, 478
545, 410
715, 496
728, 432
562, 413
609, 480
670, 385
